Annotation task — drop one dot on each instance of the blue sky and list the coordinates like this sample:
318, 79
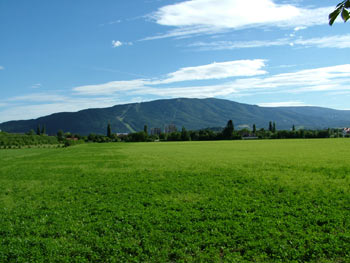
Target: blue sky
70, 55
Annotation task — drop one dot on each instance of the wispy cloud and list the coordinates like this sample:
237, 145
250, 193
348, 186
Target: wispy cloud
336, 41
111, 87
16, 109
209, 16
326, 80
1, 68
38, 97
214, 71
283, 104
36, 86
111, 22
226, 45
335, 78
218, 71
117, 43
310, 80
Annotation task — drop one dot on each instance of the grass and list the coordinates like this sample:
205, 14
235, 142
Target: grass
226, 201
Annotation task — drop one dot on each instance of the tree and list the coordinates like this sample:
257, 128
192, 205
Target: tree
60, 135
109, 130
274, 127
145, 129
227, 132
43, 130
38, 130
31, 132
254, 128
342, 9
184, 134
293, 128
270, 126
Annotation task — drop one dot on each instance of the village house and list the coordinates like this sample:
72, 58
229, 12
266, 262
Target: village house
346, 131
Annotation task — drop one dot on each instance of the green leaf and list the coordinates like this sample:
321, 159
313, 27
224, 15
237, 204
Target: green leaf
340, 4
345, 15
347, 4
333, 16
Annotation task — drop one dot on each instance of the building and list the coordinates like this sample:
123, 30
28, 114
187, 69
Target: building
170, 128
346, 132
122, 133
156, 131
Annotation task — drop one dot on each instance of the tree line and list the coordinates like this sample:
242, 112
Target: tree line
37, 138
227, 133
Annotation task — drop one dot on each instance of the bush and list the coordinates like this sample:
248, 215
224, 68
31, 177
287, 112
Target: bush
68, 143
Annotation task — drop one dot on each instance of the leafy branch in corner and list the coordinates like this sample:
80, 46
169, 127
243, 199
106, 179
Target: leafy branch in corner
343, 9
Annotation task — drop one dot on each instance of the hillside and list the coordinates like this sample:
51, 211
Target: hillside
190, 113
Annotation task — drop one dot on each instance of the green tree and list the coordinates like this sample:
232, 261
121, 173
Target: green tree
227, 132
145, 129
343, 9
274, 127
60, 135
254, 128
43, 130
185, 136
109, 130
270, 126
38, 131
293, 128
31, 132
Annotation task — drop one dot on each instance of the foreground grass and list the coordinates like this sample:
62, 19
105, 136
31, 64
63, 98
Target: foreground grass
227, 201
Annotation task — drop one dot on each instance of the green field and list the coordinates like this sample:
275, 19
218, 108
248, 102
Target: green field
226, 201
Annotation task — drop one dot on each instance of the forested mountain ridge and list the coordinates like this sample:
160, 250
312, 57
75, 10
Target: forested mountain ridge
191, 113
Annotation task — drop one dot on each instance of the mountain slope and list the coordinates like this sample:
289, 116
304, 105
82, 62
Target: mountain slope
190, 113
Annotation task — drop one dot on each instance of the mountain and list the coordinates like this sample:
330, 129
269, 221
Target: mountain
190, 113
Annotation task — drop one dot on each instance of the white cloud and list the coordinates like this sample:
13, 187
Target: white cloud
310, 80
21, 112
111, 87
327, 79
1, 68
218, 71
223, 45
333, 78
283, 104
112, 22
336, 41
36, 86
38, 97
298, 28
222, 70
190, 91
116, 43
223, 13
209, 16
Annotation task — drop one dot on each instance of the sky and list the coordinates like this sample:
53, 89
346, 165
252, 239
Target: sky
69, 55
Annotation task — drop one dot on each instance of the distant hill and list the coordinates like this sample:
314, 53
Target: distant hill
190, 113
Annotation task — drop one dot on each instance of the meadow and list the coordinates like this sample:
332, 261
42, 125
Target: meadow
218, 201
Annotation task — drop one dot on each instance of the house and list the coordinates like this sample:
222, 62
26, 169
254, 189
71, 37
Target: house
122, 134
170, 128
156, 131
346, 132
